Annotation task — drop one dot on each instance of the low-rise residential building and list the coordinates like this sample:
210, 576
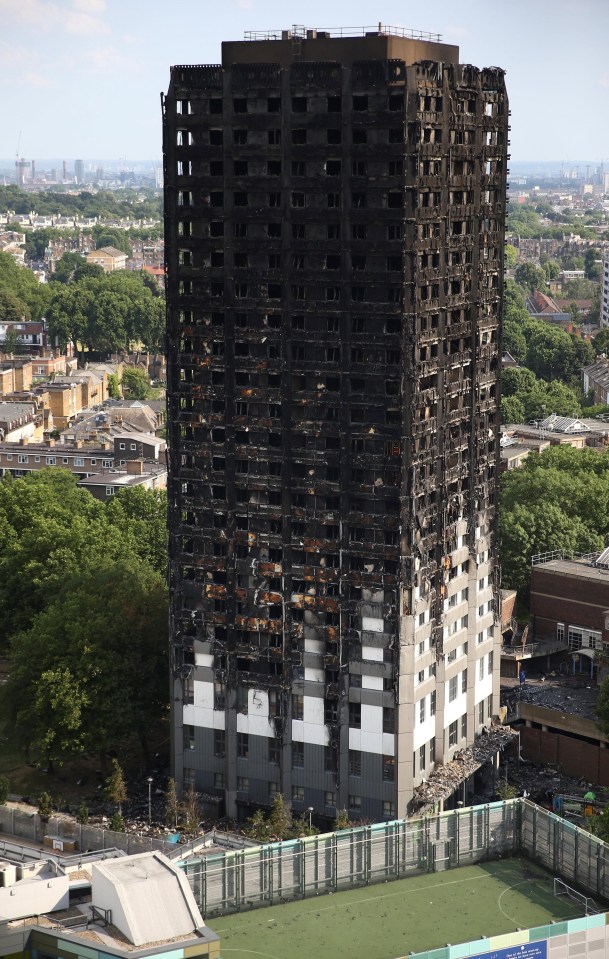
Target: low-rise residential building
136, 473
596, 378
21, 459
515, 449
101, 469
20, 421
53, 365
30, 335
109, 258
13, 243
139, 446
543, 307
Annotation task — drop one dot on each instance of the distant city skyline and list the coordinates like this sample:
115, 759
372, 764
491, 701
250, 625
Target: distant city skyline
83, 77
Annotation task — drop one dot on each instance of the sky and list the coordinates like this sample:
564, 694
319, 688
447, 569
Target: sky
82, 78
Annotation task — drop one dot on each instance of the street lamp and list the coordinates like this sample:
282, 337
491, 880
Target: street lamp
310, 811
149, 781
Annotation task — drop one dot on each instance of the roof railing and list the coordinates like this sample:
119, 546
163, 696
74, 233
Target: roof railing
378, 29
540, 558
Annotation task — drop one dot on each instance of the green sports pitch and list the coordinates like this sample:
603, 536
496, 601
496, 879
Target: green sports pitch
396, 918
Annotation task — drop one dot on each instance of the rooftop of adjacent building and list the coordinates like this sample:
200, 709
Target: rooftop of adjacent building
128, 904
589, 566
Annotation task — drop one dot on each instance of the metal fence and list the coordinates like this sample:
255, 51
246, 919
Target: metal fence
31, 828
564, 849
277, 872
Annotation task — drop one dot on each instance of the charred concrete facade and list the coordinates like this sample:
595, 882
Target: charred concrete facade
334, 233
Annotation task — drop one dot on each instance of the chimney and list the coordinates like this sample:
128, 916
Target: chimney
78, 444
51, 442
135, 467
24, 440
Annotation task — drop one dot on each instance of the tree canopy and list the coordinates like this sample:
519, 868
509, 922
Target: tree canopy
21, 284
83, 613
558, 500
103, 203
104, 312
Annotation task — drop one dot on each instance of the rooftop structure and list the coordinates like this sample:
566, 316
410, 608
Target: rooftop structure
126, 906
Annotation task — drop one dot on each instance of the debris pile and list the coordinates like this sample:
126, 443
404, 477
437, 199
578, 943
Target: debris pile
445, 779
561, 694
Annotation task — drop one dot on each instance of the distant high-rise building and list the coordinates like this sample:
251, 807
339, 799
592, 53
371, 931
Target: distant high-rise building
22, 171
79, 171
64, 171
158, 178
334, 216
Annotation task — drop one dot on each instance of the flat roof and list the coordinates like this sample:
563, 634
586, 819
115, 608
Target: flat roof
578, 568
120, 479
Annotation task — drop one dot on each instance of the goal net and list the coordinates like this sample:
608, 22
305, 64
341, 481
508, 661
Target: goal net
562, 889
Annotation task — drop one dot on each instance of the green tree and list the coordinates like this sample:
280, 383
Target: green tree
22, 282
258, 827
45, 806
82, 814
517, 380
530, 277
116, 823
135, 383
12, 308
113, 386
56, 715
66, 267
512, 410
116, 790
191, 810
280, 819
116, 238
143, 513
108, 626
4, 790
342, 820
511, 257
69, 314
539, 528
551, 353
600, 342
171, 804
514, 341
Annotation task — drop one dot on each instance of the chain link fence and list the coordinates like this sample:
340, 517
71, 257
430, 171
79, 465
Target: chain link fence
297, 868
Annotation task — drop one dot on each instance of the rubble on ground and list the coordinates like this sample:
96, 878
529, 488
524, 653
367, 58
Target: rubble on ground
446, 778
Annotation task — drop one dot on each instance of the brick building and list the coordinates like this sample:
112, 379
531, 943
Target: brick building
334, 216
570, 601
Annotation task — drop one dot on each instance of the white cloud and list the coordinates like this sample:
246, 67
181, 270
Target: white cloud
604, 80
104, 58
90, 6
85, 24
37, 80
31, 12
81, 17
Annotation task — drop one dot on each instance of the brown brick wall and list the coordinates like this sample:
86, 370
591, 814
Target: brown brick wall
560, 598
575, 757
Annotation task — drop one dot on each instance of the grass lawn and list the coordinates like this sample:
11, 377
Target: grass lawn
395, 918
